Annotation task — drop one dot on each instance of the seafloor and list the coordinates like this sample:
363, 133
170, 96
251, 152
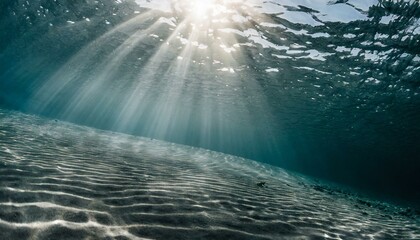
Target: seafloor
62, 181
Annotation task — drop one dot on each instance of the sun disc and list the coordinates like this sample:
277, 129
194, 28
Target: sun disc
201, 9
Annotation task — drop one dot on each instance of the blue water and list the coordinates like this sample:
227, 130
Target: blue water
329, 89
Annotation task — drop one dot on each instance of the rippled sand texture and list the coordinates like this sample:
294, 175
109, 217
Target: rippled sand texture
61, 181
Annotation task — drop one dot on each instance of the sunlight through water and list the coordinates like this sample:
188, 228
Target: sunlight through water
276, 81
188, 61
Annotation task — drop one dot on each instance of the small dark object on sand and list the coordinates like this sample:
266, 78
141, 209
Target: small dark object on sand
261, 184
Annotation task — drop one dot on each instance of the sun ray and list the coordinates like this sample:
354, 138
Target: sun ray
130, 111
45, 95
168, 96
105, 72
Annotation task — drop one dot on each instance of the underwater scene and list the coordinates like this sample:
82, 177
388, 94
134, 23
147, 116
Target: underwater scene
209, 119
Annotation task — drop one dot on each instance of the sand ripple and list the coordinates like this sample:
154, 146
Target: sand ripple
61, 181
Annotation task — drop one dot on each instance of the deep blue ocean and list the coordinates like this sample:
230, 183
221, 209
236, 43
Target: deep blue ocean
245, 115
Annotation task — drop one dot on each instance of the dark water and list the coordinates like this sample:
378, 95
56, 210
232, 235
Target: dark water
327, 88
64, 181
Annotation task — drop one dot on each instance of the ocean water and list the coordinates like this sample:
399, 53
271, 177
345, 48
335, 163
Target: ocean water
197, 103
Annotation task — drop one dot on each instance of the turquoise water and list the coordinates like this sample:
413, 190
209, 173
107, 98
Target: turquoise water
329, 89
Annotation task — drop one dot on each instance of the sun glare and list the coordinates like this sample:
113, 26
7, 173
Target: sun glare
202, 9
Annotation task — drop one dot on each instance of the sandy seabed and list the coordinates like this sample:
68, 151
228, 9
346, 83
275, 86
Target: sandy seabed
63, 181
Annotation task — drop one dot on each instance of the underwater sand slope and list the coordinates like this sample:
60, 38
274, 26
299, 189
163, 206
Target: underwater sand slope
62, 181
